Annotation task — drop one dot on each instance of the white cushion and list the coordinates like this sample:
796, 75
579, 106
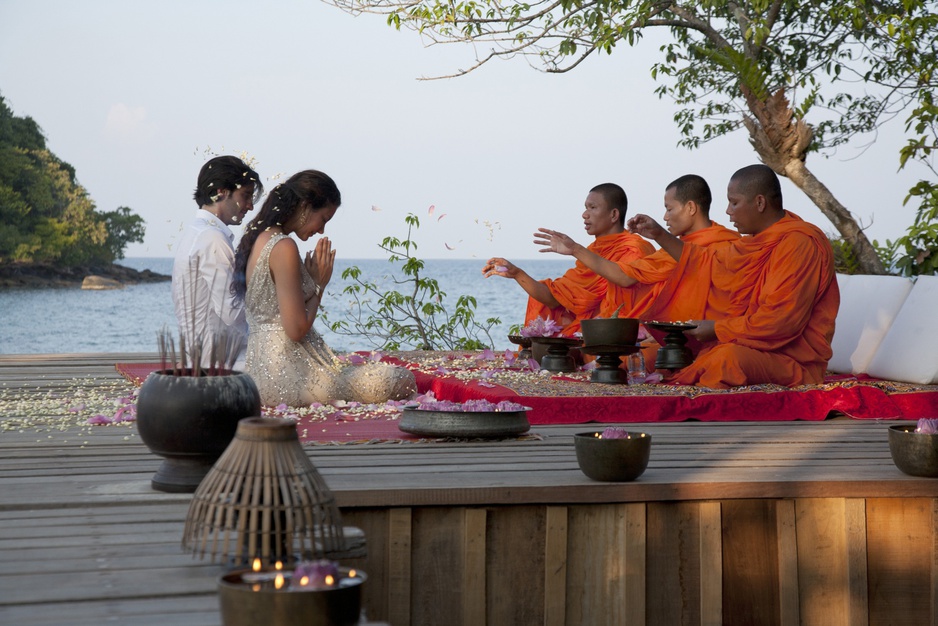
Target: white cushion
868, 306
909, 351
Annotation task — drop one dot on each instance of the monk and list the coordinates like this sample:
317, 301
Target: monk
580, 293
642, 284
772, 294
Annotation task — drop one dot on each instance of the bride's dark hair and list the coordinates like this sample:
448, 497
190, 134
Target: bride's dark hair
308, 188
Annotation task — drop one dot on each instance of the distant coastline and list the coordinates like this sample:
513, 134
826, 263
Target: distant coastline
41, 275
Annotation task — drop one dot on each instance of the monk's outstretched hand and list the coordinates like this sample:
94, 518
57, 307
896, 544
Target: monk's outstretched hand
320, 263
645, 226
554, 241
704, 332
497, 266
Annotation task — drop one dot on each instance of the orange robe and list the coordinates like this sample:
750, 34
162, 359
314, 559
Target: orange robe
581, 292
658, 295
774, 297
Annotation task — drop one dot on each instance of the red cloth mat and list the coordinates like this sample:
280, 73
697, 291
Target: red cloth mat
136, 372
562, 399
335, 427
572, 400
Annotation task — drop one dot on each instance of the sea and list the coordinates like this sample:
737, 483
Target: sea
74, 321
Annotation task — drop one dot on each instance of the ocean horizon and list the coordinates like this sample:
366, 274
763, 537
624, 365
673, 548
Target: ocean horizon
60, 320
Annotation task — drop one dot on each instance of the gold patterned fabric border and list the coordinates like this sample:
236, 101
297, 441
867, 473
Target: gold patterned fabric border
499, 369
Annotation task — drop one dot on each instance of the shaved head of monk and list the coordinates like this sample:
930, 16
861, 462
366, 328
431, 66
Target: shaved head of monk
614, 198
687, 205
754, 197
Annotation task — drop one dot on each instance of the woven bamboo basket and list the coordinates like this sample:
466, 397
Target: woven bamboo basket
264, 499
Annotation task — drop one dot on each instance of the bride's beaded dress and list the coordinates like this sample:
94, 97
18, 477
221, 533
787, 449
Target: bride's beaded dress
298, 373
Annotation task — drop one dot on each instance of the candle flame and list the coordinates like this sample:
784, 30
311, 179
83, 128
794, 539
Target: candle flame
352, 573
330, 580
256, 565
304, 581
278, 581
278, 566
255, 587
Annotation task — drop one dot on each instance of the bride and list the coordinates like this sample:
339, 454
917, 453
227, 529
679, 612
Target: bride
286, 357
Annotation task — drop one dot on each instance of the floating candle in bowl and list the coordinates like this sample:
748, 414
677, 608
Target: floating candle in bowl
318, 593
613, 454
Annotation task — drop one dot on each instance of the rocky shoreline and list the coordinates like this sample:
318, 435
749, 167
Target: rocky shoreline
30, 275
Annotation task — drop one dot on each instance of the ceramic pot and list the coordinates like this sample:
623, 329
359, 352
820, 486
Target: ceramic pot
914, 453
190, 421
612, 460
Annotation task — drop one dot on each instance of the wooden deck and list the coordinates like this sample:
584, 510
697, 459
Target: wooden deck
734, 523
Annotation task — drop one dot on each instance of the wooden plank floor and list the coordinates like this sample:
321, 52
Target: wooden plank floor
84, 540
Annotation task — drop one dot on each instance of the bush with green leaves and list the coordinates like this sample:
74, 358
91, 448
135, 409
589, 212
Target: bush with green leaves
409, 311
916, 252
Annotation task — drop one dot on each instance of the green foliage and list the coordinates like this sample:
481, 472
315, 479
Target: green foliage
916, 252
45, 215
123, 227
817, 51
845, 261
412, 313
915, 37
848, 64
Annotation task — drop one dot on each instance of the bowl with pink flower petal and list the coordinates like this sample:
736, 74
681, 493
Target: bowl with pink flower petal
612, 455
914, 447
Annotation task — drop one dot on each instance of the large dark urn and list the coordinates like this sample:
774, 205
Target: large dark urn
190, 420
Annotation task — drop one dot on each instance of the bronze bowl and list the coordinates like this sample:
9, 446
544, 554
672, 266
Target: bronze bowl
610, 331
242, 605
612, 460
524, 343
914, 453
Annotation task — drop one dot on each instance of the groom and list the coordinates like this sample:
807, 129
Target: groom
202, 269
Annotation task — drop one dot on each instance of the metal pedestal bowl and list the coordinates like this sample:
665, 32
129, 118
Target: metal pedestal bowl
674, 354
608, 363
524, 343
610, 331
558, 357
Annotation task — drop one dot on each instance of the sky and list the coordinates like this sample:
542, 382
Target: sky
137, 95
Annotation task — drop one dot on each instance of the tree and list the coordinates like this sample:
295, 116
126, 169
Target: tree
916, 43
45, 215
123, 227
730, 64
407, 308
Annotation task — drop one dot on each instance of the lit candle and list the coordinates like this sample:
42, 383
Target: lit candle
320, 574
258, 576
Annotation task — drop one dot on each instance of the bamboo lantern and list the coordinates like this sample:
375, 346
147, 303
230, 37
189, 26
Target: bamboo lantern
264, 499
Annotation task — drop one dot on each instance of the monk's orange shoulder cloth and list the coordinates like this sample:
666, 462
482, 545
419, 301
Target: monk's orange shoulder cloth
775, 292
658, 295
580, 291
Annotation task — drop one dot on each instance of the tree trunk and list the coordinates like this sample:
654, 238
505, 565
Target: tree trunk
782, 141
840, 217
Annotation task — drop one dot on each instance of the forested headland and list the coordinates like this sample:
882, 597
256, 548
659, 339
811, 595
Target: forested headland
51, 233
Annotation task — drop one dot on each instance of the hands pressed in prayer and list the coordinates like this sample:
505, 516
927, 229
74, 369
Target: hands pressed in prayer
554, 241
320, 262
497, 266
